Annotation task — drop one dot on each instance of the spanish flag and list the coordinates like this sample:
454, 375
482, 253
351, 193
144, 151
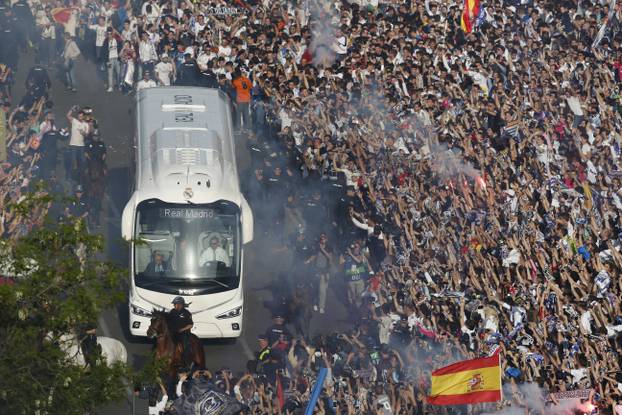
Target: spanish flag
469, 14
468, 381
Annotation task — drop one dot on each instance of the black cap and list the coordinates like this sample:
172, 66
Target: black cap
180, 300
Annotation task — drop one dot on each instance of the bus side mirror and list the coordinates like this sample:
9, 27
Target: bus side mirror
247, 222
127, 219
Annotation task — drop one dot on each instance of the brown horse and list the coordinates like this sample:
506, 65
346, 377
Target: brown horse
95, 183
166, 348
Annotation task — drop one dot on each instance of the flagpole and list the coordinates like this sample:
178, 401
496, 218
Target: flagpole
319, 383
500, 376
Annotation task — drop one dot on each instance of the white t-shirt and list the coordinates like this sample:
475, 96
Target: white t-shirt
100, 34
142, 84
70, 26
224, 50
163, 71
147, 52
159, 406
613, 331
203, 59
127, 34
211, 254
340, 45
113, 53
578, 374
197, 28
586, 319
78, 130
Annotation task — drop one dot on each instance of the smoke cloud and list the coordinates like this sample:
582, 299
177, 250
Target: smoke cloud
533, 397
448, 163
323, 19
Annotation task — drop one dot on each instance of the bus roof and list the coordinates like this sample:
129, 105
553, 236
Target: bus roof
185, 146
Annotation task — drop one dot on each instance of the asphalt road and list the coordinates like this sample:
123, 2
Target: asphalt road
114, 113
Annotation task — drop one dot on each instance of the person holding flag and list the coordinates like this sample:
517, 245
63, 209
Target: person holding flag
469, 15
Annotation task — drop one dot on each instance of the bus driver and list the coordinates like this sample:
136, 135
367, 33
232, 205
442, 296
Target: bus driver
214, 252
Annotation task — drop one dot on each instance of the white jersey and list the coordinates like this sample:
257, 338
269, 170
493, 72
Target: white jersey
100, 34
163, 71
142, 84
78, 130
214, 254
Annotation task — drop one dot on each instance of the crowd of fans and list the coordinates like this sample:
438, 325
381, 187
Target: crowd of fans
461, 190
32, 146
23, 157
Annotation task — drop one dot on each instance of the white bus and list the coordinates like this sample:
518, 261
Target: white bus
187, 220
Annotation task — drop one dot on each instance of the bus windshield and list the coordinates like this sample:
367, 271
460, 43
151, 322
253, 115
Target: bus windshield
187, 245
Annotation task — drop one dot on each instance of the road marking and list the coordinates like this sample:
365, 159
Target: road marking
247, 350
113, 222
104, 326
114, 208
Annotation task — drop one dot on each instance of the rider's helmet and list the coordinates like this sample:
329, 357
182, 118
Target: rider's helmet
180, 300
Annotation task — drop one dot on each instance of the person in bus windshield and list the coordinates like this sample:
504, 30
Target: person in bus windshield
214, 252
158, 265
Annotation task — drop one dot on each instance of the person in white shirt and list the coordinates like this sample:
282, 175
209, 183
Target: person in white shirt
154, 7
152, 13
128, 33
224, 49
46, 46
100, 37
79, 130
199, 25
156, 407
154, 36
147, 54
72, 23
214, 253
106, 11
146, 82
70, 54
111, 56
165, 70
340, 45
205, 56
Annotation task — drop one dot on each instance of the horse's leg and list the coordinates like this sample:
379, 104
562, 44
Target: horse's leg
198, 354
171, 381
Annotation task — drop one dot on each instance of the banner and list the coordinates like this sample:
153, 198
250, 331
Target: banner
569, 395
202, 400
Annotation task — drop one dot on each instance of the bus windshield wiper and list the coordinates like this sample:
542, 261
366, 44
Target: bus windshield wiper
165, 280
222, 284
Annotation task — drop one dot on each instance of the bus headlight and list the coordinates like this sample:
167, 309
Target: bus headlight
140, 311
236, 312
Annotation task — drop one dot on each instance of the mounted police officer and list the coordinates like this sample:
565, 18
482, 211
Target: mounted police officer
180, 324
78, 207
91, 350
